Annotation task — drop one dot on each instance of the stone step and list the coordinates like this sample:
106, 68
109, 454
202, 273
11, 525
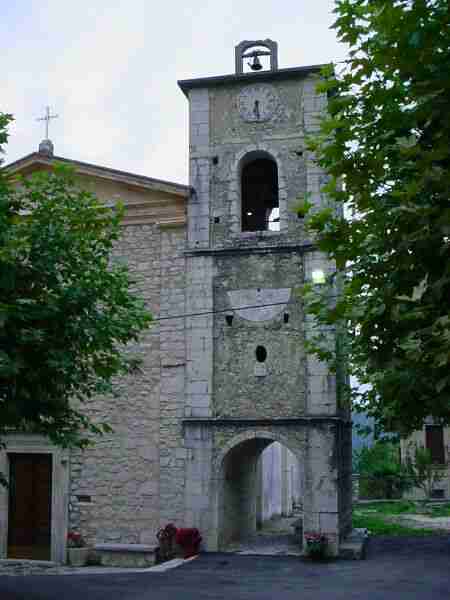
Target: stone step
125, 555
22, 566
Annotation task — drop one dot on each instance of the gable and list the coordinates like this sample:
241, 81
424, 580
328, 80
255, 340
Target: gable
146, 200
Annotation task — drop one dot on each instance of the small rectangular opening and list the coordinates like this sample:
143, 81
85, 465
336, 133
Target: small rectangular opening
84, 498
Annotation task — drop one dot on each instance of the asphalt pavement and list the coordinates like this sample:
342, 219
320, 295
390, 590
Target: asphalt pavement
395, 569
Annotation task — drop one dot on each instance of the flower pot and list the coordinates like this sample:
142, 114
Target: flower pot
77, 557
317, 552
189, 540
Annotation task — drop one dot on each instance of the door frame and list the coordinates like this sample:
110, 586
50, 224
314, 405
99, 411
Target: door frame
37, 444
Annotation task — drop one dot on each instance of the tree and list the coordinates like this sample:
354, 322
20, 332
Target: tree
424, 473
66, 310
381, 473
384, 144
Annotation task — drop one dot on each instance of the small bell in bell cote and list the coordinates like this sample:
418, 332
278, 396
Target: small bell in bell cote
256, 64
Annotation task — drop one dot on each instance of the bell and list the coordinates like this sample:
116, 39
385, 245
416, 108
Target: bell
255, 65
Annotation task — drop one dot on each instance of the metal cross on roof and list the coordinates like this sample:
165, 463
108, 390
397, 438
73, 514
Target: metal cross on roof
47, 118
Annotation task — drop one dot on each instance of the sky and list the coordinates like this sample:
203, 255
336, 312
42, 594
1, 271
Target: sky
109, 70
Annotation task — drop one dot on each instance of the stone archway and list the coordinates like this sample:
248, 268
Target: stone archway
238, 486
225, 452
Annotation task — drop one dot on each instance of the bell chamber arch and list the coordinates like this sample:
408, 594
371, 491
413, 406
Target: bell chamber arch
259, 192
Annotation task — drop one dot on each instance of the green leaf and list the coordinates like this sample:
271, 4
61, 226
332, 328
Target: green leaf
384, 148
67, 311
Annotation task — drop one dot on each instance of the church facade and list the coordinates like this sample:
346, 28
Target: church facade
224, 372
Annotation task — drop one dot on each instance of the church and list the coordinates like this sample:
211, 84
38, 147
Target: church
224, 372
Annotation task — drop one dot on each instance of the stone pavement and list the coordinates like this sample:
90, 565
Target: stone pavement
276, 538
270, 545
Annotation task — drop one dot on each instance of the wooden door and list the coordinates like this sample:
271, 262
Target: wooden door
30, 499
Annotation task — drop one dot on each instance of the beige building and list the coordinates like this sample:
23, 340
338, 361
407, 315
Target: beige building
436, 439
224, 373
98, 490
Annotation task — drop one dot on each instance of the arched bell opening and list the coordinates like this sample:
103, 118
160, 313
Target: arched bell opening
260, 496
259, 193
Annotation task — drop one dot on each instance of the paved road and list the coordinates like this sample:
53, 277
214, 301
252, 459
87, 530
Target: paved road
396, 569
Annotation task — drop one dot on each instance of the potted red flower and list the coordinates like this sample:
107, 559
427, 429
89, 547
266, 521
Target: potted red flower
188, 539
77, 551
316, 545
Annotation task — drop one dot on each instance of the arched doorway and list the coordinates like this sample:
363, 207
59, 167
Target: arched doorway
260, 498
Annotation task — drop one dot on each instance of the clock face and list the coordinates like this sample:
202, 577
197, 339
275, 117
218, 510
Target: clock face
257, 103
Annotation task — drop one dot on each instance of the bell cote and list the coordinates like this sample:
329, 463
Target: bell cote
253, 49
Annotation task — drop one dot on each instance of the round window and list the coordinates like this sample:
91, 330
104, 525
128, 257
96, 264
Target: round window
261, 354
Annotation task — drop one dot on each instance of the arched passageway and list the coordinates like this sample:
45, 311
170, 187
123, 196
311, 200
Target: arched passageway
260, 496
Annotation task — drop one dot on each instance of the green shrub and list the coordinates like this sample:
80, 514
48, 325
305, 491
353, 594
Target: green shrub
381, 472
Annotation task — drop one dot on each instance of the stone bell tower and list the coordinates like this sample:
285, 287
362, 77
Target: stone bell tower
249, 381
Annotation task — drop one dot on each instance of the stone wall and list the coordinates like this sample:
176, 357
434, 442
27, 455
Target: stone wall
345, 482
243, 386
115, 484
237, 501
172, 383
280, 484
134, 478
271, 483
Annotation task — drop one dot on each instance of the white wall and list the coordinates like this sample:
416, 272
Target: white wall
280, 481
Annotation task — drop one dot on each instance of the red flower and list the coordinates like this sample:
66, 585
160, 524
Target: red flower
75, 540
189, 539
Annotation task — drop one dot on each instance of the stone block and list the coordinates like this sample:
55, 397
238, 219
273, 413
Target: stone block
199, 400
316, 366
328, 522
318, 404
200, 140
149, 488
200, 411
198, 387
125, 555
199, 116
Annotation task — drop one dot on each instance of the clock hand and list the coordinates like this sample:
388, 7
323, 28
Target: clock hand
256, 110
